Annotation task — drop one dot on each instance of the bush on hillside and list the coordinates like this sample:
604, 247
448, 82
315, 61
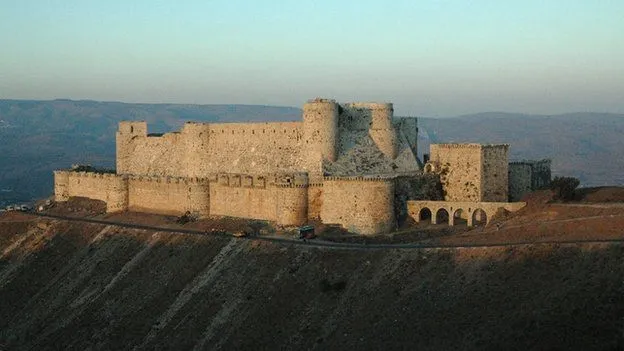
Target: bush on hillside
564, 187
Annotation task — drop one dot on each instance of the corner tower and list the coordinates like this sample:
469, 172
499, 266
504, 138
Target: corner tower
320, 131
128, 130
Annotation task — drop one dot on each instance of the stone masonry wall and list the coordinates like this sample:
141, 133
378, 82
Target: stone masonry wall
519, 180
315, 200
526, 176
168, 195
259, 197
256, 148
109, 188
200, 150
471, 172
460, 169
494, 183
361, 205
165, 195
61, 185
142, 154
256, 201
408, 126
541, 173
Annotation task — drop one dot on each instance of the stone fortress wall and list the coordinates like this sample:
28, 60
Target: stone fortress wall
359, 204
163, 195
339, 165
280, 198
268, 171
204, 149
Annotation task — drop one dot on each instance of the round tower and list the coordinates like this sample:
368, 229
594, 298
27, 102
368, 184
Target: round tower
382, 130
117, 193
320, 129
196, 137
292, 205
61, 186
198, 196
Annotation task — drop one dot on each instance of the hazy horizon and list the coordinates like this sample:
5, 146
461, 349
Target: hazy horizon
430, 58
396, 114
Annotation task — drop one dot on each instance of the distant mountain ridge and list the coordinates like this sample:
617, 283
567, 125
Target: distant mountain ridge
37, 137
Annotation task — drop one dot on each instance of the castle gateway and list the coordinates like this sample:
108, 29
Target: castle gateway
351, 164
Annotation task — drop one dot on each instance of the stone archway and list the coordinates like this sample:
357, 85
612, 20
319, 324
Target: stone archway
442, 217
479, 217
474, 213
460, 217
424, 215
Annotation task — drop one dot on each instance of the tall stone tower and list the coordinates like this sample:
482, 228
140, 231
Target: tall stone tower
196, 138
126, 132
320, 132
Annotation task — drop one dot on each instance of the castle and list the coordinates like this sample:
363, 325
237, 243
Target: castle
352, 164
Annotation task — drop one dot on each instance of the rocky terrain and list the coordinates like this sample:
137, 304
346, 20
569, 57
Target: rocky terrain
75, 286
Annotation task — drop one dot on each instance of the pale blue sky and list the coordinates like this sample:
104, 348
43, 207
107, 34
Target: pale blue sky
430, 57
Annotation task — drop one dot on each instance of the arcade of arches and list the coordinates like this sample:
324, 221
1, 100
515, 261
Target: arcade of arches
455, 212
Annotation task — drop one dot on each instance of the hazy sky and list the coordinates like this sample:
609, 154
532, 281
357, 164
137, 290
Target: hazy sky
429, 57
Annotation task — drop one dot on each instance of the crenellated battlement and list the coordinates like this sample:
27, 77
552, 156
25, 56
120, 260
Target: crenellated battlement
359, 178
470, 146
85, 174
279, 180
169, 179
387, 106
293, 186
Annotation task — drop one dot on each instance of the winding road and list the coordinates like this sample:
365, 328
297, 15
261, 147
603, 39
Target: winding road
321, 243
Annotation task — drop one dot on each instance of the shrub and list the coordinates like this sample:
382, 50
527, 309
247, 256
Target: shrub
564, 187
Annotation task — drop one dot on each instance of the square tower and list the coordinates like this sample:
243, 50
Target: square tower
471, 172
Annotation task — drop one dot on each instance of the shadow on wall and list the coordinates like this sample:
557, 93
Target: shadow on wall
354, 118
418, 187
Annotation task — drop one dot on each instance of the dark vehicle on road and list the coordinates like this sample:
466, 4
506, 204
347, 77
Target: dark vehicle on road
306, 232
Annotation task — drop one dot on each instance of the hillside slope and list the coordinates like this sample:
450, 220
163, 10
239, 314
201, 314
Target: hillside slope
84, 286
